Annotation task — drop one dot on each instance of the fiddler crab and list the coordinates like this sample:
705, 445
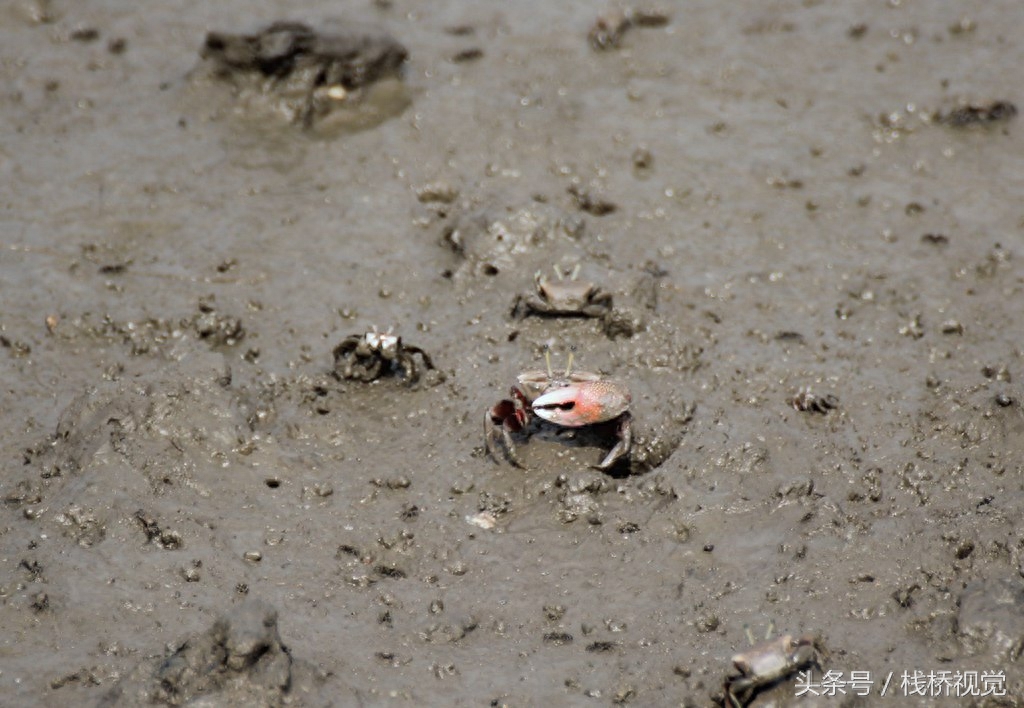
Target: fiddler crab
367, 357
573, 399
765, 664
806, 401
564, 297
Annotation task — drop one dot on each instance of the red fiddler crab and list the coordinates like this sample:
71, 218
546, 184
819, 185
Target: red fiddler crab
574, 399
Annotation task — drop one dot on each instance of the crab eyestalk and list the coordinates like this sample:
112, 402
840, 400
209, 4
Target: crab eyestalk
568, 365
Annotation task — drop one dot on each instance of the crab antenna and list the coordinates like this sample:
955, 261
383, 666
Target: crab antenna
575, 272
568, 367
547, 358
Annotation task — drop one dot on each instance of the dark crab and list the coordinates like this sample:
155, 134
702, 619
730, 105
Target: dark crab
574, 399
767, 663
806, 401
369, 356
564, 297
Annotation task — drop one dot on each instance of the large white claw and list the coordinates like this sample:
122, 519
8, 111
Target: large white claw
583, 403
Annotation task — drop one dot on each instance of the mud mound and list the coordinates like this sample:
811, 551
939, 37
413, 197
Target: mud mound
240, 660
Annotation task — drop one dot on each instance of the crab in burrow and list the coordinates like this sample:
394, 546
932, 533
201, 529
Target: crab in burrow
369, 356
574, 399
564, 297
766, 664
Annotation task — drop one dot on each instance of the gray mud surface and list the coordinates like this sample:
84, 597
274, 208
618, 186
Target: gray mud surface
809, 217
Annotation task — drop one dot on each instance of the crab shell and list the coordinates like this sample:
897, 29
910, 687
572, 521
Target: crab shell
534, 383
566, 294
583, 403
769, 659
384, 342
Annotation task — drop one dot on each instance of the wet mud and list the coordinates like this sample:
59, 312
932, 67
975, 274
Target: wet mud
792, 231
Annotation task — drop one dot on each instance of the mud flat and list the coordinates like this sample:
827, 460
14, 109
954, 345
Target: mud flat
798, 233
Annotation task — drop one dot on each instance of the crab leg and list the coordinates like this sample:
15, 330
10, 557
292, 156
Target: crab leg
505, 412
489, 435
426, 357
510, 448
407, 362
622, 447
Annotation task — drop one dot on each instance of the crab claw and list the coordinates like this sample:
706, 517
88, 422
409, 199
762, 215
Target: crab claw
583, 403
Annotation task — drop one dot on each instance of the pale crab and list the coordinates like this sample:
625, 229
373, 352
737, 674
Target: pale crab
574, 399
369, 356
566, 296
767, 663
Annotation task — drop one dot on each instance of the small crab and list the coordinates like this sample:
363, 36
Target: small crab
369, 356
564, 297
574, 399
609, 27
608, 30
767, 663
806, 401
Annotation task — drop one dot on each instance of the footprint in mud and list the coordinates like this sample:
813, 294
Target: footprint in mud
490, 240
330, 80
240, 660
